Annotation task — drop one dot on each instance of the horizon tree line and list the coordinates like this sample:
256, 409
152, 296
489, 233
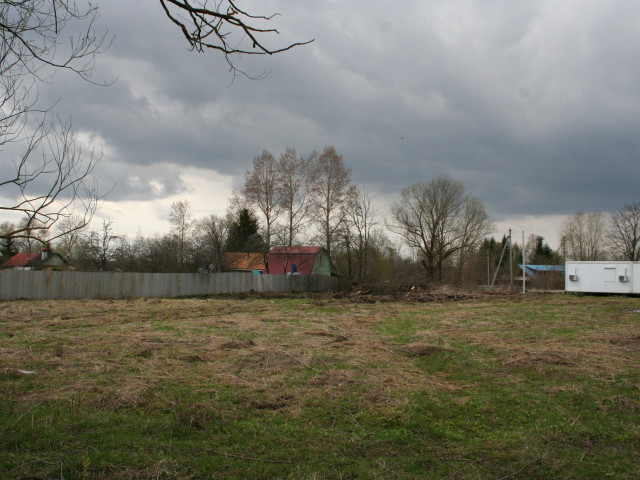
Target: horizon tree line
296, 199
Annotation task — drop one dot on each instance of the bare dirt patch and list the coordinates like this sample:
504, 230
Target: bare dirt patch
334, 378
237, 344
422, 349
631, 341
549, 358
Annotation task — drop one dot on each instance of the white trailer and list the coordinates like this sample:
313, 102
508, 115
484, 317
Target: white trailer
602, 277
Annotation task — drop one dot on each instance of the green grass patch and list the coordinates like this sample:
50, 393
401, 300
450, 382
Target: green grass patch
534, 386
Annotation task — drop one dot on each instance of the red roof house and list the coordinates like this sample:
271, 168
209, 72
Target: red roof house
36, 261
300, 260
20, 260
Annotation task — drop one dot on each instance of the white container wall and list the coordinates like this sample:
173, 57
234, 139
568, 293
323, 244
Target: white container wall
602, 277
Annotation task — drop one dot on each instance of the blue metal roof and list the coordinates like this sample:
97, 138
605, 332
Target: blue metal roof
544, 268
532, 269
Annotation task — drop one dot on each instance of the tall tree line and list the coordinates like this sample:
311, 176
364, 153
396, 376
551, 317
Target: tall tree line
295, 194
589, 236
294, 199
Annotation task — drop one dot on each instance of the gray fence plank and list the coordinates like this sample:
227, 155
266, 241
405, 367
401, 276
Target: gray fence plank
18, 284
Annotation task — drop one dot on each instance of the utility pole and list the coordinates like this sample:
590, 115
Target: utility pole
510, 264
524, 267
488, 270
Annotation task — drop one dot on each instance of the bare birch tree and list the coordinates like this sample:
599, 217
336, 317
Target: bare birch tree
69, 234
330, 194
263, 191
295, 178
95, 250
181, 222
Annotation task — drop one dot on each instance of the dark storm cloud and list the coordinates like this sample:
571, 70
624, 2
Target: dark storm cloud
534, 106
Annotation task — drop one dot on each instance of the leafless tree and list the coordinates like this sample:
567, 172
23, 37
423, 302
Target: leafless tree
31, 40
360, 220
295, 178
34, 237
157, 253
127, 254
212, 234
43, 173
263, 191
439, 220
8, 245
181, 222
224, 27
97, 247
583, 236
530, 246
69, 234
624, 232
330, 193
51, 180
473, 226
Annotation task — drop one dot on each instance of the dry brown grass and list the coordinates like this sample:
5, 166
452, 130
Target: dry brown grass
285, 357
112, 353
255, 344
177, 338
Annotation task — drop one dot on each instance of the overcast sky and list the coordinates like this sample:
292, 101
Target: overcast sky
534, 106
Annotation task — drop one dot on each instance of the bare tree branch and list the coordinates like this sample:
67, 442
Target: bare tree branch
30, 38
44, 175
52, 180
224, 27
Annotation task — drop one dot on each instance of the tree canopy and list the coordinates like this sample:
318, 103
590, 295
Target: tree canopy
439, 220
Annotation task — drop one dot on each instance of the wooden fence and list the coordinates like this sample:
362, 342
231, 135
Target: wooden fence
18, 284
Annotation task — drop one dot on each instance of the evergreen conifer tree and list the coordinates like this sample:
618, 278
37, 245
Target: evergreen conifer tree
243, 234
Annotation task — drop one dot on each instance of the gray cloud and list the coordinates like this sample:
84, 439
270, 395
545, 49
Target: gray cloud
534, 105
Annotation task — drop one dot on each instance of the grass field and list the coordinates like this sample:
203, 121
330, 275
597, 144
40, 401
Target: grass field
524, 386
